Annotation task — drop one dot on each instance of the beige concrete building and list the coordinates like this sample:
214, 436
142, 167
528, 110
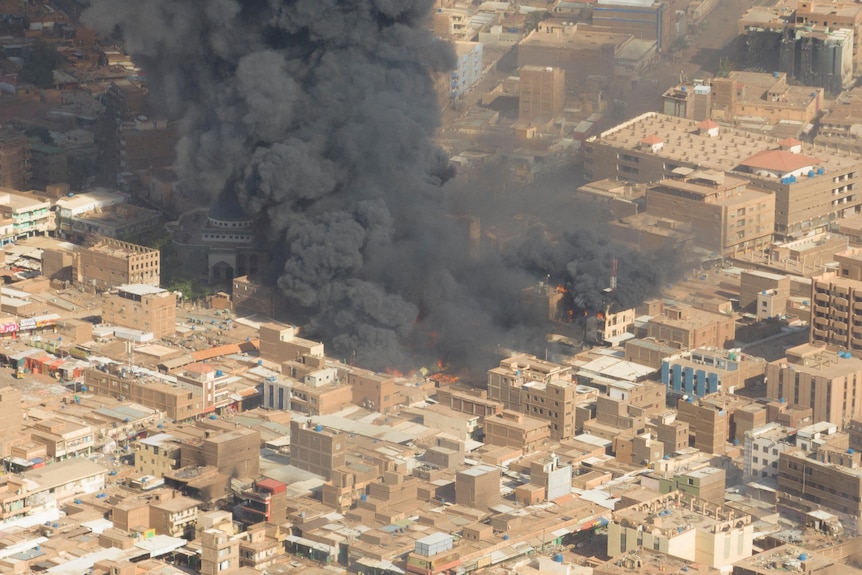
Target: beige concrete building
836, 314
542, 93
316, 449
513, 429
727, 216
150, 389
687, 328
219, 552
157, 455
540, 389
280, 343
14, 160
755, 98
695, 531
110, 263
142, 307
816, 377
812, 187
478, 487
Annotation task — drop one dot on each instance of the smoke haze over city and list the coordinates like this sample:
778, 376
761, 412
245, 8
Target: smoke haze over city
319, 115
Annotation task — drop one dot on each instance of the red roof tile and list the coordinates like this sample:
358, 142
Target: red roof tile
779, 161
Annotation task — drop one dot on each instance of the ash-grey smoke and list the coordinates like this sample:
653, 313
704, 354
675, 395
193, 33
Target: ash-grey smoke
319, 115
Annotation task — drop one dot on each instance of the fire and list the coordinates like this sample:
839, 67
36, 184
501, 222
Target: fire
600, 315
445, 378
561, 289
441, 365
394, 372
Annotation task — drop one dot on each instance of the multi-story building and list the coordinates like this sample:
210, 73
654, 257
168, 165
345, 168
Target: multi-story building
707, 422
235, 453
316, 449
695, 531
157, 455
707, 370
516, 430
822, 473
478, 487
763, 446
692, 102
14, 160
376, 392
148, 388
686, 327
540, 389
48, 488
280, 343
30, 215
266, 502
252, 296
829, 382
143, 307
811, 187
727, 216
645, 20
542, 92
836, 314
468, 67
257, 550
219, 552
110, 263
743, 96
174, 516
64, 438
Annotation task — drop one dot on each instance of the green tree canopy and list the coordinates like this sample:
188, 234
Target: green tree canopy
40, 61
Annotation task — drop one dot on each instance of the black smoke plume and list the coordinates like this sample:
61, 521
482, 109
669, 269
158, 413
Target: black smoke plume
319, 115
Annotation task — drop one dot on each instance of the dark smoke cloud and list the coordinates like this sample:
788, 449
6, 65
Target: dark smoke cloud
318, 114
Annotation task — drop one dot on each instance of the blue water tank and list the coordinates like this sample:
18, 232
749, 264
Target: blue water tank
820, 171
260, 362
558, 557
810, 173
219, 373
736, 442
363, 497
318, 428
213, 416
775, 74
781, 399
803, 556
851, 451
505, 537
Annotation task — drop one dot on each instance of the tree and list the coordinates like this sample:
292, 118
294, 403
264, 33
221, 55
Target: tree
39, 62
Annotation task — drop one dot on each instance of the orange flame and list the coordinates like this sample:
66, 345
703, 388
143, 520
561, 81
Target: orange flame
394, 372
561, 289
600, 315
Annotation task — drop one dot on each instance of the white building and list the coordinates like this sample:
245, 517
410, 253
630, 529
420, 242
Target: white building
468, 69
763, 445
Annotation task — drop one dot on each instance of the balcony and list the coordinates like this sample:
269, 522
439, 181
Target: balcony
840, 301
839, 325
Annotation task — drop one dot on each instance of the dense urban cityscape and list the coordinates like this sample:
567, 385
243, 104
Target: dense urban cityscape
438, 287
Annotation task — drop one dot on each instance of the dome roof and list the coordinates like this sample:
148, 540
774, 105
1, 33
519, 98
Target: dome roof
227, 208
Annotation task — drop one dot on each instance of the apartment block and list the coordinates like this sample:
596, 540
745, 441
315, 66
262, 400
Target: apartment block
373, 391
540, 389
813, 376
687, 328
14, 160
468, 67
150, 389
316, 449
235, 453
174, 515
143, 307
64, 438
762, 449
707, 422
706, 370
219, 552
478, 487
266, 502
542, 93
30, 215
812, 187
157, 455
513, 429
727, 216
110, 263
836, 317
280, 343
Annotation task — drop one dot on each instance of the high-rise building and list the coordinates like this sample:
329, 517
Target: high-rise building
14, 160
836, 311
829, 382
542, 92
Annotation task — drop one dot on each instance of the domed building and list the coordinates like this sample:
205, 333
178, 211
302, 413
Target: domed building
226, 238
